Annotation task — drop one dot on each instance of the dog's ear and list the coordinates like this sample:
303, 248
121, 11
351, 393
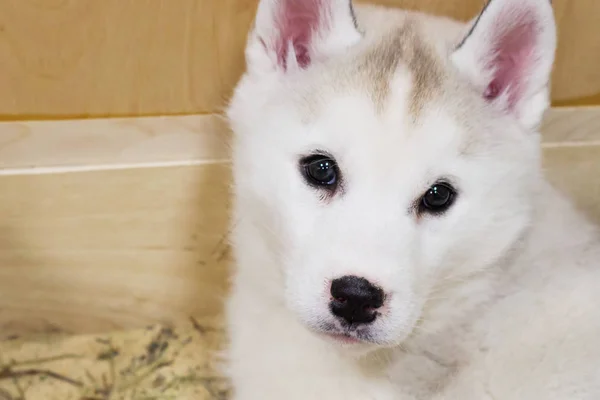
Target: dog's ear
292, 34
508, 54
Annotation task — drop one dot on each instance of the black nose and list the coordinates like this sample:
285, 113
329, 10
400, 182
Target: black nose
355, 299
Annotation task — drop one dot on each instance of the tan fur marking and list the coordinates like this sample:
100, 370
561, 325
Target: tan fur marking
404, 45
373, 70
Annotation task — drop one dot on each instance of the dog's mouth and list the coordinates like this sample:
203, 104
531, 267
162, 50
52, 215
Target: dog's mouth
347, 334
343, 338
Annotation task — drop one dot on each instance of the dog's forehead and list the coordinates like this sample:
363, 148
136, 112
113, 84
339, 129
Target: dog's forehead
403, 50
400, 54
398, 86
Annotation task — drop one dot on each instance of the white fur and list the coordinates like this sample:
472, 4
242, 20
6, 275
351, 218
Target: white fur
496, 299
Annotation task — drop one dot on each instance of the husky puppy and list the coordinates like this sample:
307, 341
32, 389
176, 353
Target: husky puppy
394, 235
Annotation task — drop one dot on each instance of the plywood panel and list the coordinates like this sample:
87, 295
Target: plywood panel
121, 238
104, 250
576, 79
574, 126
111, 142
109, 57
139, 57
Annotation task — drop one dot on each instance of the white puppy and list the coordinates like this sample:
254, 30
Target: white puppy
394, 235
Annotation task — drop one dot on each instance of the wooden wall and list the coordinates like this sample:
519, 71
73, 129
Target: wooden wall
65, 58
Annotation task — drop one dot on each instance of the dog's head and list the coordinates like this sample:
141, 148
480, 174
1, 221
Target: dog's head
383, 160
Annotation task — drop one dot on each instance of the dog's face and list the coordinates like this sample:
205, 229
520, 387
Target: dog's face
382, 168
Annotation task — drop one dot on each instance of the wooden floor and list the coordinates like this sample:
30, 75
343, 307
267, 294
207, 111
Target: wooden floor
129, 226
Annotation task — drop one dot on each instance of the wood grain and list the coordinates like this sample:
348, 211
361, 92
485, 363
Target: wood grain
107, 250
65, 58
114, 142
112, 234
111, 57
571, 126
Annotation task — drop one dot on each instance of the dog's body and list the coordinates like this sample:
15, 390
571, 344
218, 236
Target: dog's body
492, 295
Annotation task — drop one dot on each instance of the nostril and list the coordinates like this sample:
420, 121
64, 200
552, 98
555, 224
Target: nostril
355, 299
376, 301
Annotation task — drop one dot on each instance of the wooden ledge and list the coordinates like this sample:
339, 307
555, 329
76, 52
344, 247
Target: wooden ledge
95, 144
89, 144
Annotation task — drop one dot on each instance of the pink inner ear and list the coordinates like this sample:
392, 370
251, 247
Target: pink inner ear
514, 51
297, 22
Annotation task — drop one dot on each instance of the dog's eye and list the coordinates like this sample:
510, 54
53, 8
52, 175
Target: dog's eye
320, 170
437, 199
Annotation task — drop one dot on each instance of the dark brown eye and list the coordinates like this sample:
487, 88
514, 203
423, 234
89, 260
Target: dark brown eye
320, 170
437, 199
